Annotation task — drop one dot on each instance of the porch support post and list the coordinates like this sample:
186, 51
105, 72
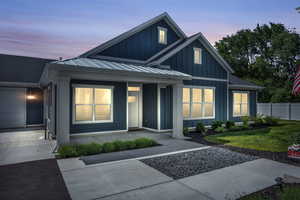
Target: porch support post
63, 110
177, 111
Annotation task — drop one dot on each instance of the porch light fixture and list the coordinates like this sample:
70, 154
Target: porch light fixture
30, 97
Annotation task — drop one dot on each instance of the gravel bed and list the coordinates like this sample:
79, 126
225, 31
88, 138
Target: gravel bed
191, 163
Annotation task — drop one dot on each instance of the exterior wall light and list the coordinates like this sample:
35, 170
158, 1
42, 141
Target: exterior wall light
30, 97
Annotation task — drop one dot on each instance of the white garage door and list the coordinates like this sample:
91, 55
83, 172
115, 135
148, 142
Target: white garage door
12, 107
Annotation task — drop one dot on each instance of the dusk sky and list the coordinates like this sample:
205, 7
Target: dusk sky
67, 28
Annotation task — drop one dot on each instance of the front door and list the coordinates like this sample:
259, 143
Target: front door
133, 109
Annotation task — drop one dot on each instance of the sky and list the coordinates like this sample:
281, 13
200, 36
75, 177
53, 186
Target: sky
67, 28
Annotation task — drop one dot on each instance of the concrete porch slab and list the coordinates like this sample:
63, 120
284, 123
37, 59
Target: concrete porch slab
102, 180
165, 191
239, 180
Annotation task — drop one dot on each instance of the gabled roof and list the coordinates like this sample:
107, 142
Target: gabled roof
164, 16
21, 69
237, 83
188, 41
109, 66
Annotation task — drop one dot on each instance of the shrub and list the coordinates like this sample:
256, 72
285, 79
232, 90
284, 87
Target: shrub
296, 138
200, 127
144, 142
245, 120
130, 144
220, 129
119, 145
271, 121
216, 124
108, 147
236, 128
229, 124
185, 131
66, 151
88, 149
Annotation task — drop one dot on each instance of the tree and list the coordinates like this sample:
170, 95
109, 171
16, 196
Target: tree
267, 55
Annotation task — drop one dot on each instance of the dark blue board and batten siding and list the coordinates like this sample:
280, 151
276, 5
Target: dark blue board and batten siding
119, 109
166, 108
220, 101
142, 45
183, 61
150, 106
252, 104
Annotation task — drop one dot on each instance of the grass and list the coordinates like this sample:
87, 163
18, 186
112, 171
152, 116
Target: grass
274, 138
75, 150
289, 192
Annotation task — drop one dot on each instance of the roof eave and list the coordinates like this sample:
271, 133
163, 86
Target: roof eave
247, 87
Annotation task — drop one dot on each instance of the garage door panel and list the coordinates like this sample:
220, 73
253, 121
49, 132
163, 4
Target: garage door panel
12, 107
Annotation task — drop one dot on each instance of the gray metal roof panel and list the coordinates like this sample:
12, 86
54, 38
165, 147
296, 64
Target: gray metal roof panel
116, 66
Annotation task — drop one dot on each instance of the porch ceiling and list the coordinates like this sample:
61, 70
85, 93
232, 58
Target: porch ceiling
108, 66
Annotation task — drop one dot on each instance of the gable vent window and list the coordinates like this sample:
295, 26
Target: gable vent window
162, 35
197, 56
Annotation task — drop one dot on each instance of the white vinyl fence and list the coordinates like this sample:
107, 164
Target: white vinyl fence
289, 111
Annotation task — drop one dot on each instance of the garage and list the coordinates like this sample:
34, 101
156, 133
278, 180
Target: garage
21, 104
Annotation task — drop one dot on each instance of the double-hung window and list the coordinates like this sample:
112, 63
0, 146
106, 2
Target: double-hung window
240, 104
198, 103
92, 104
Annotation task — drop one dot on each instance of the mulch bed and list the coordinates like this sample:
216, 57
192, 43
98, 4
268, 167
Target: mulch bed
32, 180
270, 192
276, 156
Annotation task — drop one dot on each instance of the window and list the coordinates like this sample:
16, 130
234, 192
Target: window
93, 104
197, 56
162, 35
240, 104
198, 103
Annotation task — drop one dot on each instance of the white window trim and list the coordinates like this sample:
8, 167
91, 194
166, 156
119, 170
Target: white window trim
248, 98
159, 28
200, 54
93, 121
191, 96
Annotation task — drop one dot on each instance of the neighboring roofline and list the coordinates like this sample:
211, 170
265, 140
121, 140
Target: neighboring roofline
19, 84
50, 59
135, 30
238, 86
205, 42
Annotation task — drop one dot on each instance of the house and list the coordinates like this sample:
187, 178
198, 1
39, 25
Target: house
20, 92
152, 76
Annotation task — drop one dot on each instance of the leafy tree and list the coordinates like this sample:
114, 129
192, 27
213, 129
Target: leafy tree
267, 55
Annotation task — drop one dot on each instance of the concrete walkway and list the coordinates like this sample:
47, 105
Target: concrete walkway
22, 146
131, 179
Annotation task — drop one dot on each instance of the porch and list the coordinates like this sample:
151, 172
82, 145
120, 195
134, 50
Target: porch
137, 97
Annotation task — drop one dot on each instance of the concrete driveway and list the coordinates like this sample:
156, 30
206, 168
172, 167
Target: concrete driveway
22, 146
132, 179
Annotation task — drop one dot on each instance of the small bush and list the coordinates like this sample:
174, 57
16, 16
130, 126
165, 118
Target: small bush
236, 128
296, 138
220, 129
200, 127
144, 142
108, 147
216, 124
271, 121
88, 149
130, 144
185, 131
229, 124
119, 145
245, 120
67, 151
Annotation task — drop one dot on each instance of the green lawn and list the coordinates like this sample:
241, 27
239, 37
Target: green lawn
275, 138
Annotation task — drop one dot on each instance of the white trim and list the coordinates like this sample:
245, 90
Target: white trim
110, 58
96, 133
158, 107
208, 79
135, 30
165, 30
202, 103
140, 104
248, 102
150, 129
200, 55
94, 121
